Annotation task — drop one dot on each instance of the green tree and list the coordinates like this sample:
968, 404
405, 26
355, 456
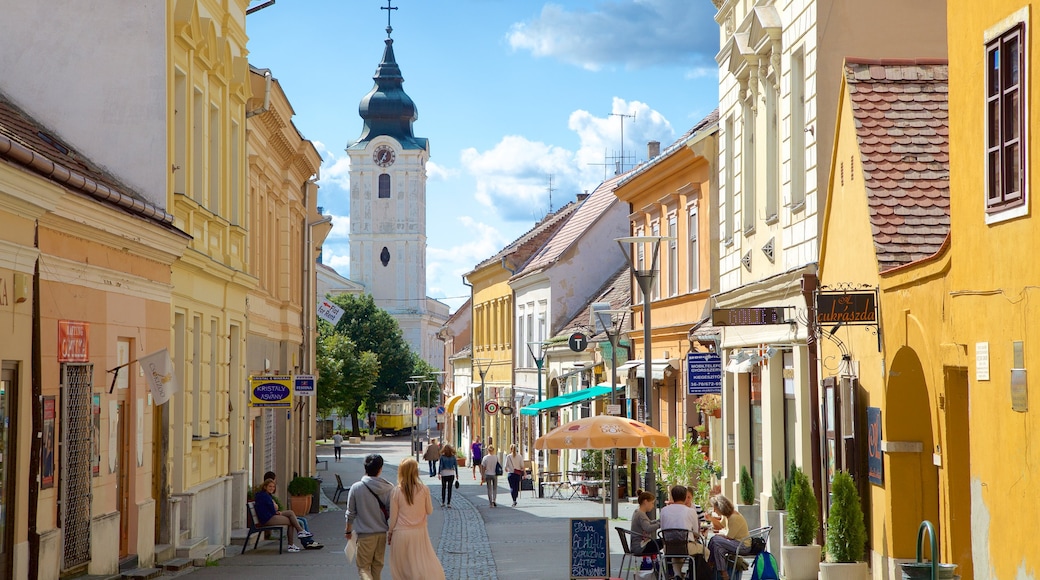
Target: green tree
372, 329
345, 375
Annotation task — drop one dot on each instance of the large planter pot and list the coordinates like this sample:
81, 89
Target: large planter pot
843, 571
775, 518
753, 515
300, 504
370, 437
923, 570
801, 562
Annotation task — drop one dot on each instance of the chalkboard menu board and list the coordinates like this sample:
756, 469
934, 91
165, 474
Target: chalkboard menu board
590, 552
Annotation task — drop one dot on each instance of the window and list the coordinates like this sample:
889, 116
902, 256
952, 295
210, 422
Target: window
772, 168
1005, 120
213, 194
673, 255
384, 186
729, 213
655, 249
747, 170
797, 131
693, 251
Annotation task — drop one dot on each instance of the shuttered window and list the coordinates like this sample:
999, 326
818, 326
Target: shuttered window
1005, 120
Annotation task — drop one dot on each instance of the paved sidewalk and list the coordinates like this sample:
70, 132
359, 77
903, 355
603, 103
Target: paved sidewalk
472, 540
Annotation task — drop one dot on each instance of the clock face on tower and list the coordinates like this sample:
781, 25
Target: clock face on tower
384, 156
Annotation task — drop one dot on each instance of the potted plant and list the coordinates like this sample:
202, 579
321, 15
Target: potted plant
301, 492
846, 533
746, 506
710, 405
592, 466
775, 516
686, 465
801, 558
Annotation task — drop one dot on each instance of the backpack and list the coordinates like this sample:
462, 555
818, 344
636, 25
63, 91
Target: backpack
765, 567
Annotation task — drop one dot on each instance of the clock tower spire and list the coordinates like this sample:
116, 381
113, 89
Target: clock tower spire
388, 207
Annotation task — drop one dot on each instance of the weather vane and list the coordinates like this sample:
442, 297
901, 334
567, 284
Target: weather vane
388, 8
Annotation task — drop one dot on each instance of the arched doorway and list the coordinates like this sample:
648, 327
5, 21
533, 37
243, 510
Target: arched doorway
911, 479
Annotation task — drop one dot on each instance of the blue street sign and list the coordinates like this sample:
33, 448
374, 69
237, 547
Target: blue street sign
704, 373
441, 410
418, 412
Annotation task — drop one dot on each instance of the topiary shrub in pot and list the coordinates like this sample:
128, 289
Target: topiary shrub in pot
846, 533
775, 516
301, 492
801, 558
746, 504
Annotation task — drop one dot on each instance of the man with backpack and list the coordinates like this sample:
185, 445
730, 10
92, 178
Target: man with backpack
368, 510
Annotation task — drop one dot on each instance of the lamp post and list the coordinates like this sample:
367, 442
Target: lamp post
429, 391
612, 329
416, 384
539, 360
482, 370
645, 275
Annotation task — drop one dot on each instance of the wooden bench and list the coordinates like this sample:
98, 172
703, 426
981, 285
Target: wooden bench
255, 528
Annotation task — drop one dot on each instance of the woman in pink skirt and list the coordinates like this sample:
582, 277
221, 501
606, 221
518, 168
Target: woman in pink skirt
411, 552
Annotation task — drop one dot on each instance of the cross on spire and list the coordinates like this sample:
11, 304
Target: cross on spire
388, 8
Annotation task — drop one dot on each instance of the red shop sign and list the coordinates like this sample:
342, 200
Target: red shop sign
73, 341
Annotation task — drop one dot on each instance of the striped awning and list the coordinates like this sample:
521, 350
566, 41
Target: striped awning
458, 405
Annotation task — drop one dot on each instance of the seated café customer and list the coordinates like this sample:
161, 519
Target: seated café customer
676, 515
731, 529
269, 515
644, 529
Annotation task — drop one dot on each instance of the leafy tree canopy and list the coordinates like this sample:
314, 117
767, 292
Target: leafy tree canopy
372, 329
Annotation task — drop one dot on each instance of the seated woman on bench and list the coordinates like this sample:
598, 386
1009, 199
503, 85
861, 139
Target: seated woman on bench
269, 514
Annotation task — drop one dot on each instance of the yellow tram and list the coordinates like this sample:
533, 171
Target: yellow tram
395, 416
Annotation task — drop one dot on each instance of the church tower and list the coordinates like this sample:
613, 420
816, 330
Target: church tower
388, 208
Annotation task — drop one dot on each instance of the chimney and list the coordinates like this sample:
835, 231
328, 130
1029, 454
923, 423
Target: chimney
653, 149
583, 196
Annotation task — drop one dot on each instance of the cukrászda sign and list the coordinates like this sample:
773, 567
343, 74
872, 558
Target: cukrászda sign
271, 392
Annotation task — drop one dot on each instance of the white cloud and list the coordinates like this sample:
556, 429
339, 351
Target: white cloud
513, 176
335, 168
338, 257
340, 228
436, 171
632, 33
446, 266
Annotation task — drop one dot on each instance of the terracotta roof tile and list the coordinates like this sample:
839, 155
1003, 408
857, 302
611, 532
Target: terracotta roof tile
902, 125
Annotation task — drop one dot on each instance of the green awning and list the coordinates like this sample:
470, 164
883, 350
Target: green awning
567, 399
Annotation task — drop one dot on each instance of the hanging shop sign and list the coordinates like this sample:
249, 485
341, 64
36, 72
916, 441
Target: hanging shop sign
577, 341
875, 459
846, 308
507, 410
754, 316
304, 385
704, 373
73, 341
271, 391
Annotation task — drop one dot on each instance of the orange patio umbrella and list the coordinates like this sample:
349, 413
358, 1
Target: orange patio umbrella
602, 432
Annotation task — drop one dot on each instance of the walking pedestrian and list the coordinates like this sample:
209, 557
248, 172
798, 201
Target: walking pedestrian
366, 502
432, 456
411, 552
514, 472
449, 473
476, 455
270, 515
490, 469
337, 445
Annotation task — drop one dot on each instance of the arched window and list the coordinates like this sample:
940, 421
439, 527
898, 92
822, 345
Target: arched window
384, 186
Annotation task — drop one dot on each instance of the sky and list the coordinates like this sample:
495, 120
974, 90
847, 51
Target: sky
512, 94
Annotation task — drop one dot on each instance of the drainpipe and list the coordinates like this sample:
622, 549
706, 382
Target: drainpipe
267, 94
809, 285
37, 420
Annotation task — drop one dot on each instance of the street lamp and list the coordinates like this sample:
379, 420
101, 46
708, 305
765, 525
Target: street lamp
539, 360
429, 391
645, 276
482, 370
416, 384
612, 328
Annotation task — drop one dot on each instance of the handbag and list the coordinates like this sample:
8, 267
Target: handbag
383, 508
456, 484
498, 469
519, 472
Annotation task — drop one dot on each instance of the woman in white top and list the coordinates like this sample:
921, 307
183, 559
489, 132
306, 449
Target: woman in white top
488, 467
514, 472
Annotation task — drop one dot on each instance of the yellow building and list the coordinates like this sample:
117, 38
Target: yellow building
672, 195
991, 291
203, 433
494, 343
286, 236
882, 307
84, 288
